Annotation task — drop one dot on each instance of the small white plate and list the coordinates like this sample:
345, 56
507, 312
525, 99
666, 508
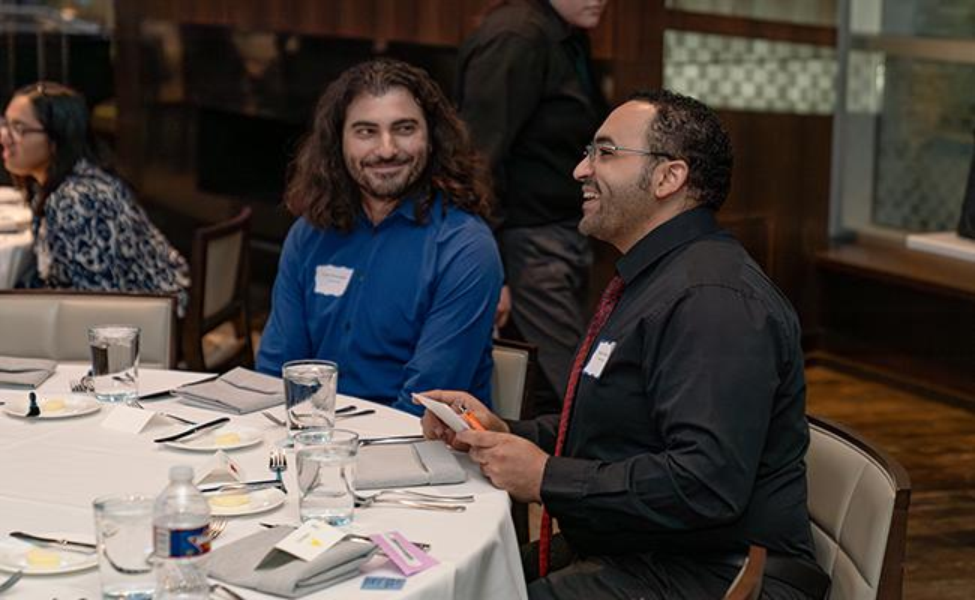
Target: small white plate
70, 405
259, 501
13, 555
214, 439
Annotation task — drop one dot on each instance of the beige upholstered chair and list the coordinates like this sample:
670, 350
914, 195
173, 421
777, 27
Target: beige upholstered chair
216, 329
54, 324
511, 379
748, 584
858, 500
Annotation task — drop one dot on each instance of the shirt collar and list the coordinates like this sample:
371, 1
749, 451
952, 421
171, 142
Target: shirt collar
406, 209
680, 230
554, 26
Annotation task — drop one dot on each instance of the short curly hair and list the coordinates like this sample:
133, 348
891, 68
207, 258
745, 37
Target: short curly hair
687, 129
320, 188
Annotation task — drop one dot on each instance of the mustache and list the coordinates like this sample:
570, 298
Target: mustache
396, 161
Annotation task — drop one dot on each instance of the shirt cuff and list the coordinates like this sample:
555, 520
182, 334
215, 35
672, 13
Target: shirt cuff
565, 480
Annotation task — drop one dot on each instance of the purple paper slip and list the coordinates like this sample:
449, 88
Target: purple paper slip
408, 558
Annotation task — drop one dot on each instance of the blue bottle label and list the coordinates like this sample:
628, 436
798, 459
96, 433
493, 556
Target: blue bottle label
181, 543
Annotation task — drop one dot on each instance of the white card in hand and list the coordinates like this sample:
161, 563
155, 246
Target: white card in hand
444, 413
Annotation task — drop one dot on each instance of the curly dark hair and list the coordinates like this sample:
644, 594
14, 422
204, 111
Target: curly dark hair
319, 185
689, 130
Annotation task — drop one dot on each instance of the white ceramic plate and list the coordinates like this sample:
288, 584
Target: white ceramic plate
13, 555
212, 440
258, 501
54, 406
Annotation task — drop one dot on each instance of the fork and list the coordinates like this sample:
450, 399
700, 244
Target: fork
136, 404
278, 463
217, 526
10, 581
367, 501
83, 385
443, 498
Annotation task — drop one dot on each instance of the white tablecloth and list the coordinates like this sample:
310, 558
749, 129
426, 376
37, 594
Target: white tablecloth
51, 470
15, 237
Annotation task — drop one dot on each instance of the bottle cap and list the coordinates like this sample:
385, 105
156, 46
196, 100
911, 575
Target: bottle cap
181, 473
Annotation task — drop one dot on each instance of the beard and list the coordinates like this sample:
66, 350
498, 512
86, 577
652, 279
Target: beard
405, 171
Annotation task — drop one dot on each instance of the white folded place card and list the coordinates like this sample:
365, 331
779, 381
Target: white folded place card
310, 540
130, 420
219, 468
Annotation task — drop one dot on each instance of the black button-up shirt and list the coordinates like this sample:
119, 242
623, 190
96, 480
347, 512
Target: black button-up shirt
693, 436
526, 90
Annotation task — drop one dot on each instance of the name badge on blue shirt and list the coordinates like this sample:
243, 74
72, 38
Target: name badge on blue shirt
332, 280
597, 362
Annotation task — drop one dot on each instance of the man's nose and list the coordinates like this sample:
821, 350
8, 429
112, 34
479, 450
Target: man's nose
387, 145
583, 170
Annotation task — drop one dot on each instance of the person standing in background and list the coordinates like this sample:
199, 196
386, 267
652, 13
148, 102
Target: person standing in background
528, 94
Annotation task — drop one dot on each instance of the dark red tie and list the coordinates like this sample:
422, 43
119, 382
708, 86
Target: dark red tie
606, 305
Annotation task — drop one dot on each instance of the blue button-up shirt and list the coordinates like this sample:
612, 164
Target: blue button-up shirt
402, 306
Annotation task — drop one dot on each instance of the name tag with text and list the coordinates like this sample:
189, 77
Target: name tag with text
597, 362
331, 280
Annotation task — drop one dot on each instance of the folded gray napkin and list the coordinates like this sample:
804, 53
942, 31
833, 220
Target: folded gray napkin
404, 465
25, 372
252, 562
238, 391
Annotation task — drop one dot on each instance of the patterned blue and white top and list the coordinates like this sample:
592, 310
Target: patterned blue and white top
94, 236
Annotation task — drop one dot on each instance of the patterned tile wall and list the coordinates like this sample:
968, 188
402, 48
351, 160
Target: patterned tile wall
762, 75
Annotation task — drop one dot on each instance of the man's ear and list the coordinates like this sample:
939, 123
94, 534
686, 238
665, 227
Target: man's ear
673, 177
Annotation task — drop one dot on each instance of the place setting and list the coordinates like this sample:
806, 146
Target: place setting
49, 406
50, 553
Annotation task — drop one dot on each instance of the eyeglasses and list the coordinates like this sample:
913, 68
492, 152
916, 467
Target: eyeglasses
17, 129
610, 150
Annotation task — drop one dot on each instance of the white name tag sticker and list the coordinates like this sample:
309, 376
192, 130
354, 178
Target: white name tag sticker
597, 362
331, 280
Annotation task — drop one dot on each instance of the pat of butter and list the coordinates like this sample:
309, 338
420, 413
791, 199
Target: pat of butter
229, 500
43, 558
53, 405
227, 439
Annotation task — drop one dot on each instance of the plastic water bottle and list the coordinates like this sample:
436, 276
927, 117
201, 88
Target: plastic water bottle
181, 523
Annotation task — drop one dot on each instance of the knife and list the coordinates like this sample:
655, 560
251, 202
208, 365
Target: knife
192, 430
27, 537
391, 439
172, 392
249, 486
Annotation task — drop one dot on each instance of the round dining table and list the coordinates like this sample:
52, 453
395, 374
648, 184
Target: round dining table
52, 469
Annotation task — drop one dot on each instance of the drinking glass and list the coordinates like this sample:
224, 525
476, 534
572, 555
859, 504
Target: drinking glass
326, 474
123, 526
114, 362
309, 394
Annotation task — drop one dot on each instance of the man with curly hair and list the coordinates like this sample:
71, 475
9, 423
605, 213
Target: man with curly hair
390, 270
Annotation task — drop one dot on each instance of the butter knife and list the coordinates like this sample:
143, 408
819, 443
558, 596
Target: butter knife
391, 439
28, 537
192, 430
250, 486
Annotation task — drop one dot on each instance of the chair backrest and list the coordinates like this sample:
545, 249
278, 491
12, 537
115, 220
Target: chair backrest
220, 272
858, 501
54, 323
511, 380
748, 584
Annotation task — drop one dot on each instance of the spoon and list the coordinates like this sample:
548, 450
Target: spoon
34, 410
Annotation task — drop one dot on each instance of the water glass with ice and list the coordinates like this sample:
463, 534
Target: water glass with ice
123, 526
309, 393
114, 362
326, 474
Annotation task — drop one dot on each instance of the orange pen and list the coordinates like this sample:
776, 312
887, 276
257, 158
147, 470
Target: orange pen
471, 419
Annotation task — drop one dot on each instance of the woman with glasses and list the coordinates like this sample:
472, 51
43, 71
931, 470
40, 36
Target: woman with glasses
89, 232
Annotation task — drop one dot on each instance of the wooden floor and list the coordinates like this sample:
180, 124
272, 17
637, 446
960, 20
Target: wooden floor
936, 444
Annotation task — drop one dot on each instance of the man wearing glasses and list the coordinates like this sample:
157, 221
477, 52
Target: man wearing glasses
683, 436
